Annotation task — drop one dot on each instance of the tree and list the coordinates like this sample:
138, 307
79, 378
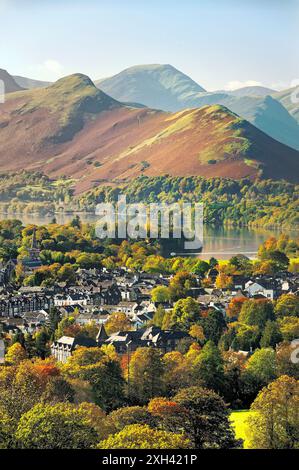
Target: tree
41, 344
160, 294
52, 321
200, 268
60, 426
262, 365
234, 307
130, 415
271, 335
30, 345
247, 337
102, 372
146, 374
208, 367
204, 419
274, 423
180, 285
213, 325
23, 386
138, 436
15, 354
117, 321
196, 331
287, 306
289, 328
159, 316
177, 371
285, 366
256, 313
185, 313
223, 281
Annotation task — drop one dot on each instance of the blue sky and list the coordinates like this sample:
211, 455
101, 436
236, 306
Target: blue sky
219, 43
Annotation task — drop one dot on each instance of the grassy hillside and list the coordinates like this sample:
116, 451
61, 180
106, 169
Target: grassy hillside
73, 129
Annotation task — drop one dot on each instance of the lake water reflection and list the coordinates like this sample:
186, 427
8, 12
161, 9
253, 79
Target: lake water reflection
220, 242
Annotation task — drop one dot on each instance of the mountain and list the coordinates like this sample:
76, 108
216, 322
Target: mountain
10, 85
266, 113
164, 87
290, 100
71, 128
252, 91
30, 83
157, 86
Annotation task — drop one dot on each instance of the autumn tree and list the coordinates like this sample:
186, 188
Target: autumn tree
262, 365
142, 436
234, 307
185, 313
117, 321
224, 281
256, 313
59, 426
160, 294
271, 335
204, 419
101, 371
146, 374
15, 354
274, 423
130, 415
287, 306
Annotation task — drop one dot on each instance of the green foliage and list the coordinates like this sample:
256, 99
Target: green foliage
138, 436
60, 426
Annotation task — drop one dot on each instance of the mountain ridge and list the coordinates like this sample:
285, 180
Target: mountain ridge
73, 129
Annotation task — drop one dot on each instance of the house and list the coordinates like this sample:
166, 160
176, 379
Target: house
128, 341
64, 346
265, 289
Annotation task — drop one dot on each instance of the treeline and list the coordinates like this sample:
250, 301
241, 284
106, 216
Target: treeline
226, 201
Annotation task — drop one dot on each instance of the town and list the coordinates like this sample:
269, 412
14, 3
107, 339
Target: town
133, 333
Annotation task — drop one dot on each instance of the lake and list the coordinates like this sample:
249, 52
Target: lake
220, 242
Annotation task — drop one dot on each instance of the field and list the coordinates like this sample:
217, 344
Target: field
238, 419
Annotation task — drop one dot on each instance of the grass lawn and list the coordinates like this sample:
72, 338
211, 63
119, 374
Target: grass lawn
238, 419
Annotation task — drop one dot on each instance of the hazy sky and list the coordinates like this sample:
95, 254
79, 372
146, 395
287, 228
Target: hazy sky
219, 43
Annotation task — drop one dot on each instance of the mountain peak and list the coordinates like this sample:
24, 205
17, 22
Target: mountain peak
74, 82
159, 86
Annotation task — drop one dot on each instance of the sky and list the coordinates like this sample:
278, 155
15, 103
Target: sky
221, 44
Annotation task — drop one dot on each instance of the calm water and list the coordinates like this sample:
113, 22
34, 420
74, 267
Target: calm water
218, 242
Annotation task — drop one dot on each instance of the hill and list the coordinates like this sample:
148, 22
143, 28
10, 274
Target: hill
286, 98
10, 85
157, 86
252, 91
73, 129
164, 87
30, 83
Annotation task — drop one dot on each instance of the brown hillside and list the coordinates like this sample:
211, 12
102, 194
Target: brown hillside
72, 128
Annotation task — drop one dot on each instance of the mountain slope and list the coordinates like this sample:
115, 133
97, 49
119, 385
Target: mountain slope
163, 87
71, 128
252, 91
30, 83
10, 85
290, 100
156, 86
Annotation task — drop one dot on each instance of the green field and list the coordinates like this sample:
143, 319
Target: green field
238, 419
